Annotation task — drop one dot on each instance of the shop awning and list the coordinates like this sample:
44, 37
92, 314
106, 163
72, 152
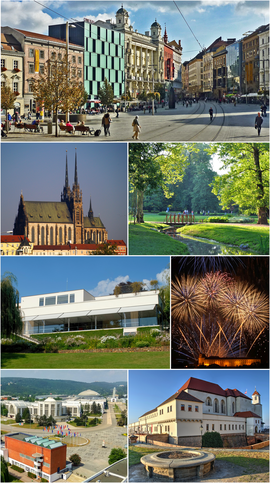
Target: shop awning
70, 315
104, 311
136, 308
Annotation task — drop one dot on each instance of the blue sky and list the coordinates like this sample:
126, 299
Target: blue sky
38, 170
147, 389
69, 375
209, 19
98, 275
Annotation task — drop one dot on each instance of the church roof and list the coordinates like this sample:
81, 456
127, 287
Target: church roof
182, 396
246, 414
47, 212
210, 387
95, 222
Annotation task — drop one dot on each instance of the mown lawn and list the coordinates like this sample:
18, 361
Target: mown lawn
255, 236
86, 360
144, 240
136, 452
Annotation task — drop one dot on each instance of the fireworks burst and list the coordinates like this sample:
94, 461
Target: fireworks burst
213, 287
186, 300
209, 264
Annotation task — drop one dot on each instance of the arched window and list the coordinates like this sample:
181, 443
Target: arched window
33, 235
208, 401
42, 235
233, 407
69, 234
51, 235
223, 406
94, 237
216, 406
60, 235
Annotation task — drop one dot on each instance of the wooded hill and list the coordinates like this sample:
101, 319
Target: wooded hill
23, 387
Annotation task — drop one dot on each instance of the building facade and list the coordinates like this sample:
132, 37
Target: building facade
195, 75
12, 69
60, 223
234, 68
79, 310
198, 407
251, 61
264, 61
103, 54
16, 245
44, 457
38, 49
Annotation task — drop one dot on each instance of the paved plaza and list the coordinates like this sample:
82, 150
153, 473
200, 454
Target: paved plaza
94, 456
188, 124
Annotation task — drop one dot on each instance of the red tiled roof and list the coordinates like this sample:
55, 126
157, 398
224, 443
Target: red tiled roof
116, 242
12, 238
255, 392
72, 246
205, 386
181, 395
35, 35
9, 43
149, 412
246, 414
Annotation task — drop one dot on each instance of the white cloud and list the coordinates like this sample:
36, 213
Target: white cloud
106, 287
26, 16
162, 276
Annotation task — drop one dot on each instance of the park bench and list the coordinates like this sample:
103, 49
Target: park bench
33, 127
67, 129
84, 129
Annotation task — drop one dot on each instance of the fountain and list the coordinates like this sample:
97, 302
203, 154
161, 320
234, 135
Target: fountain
185, 464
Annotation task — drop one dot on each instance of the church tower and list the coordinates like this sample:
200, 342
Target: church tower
65, 195
256, 403
122, 19
77, 207
90, 212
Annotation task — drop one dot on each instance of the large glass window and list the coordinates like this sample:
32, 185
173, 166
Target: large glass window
62, 299
41, 301
72, 298
50, 300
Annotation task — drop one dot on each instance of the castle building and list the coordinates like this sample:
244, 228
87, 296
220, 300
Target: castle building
62, 222
201, 406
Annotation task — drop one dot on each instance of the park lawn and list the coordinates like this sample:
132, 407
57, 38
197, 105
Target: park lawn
28, 426
8, 421
143, 240
249, 461
136, 453
86, 360
255, 236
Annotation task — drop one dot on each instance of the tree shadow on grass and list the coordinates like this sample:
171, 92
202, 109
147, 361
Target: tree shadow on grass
5, 358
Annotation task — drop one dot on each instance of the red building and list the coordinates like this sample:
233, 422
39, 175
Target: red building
44, 457
168, 59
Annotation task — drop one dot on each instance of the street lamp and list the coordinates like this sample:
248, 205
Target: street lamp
67, 48
201, 429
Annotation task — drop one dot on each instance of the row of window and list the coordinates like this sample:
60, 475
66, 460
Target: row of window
189, 408
61, 299
15, 64
27, 457
54, 56
234, 427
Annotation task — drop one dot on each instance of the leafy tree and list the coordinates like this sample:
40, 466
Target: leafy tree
153, 165
212, 440
8, 98
11, 320
122, 421
137, 287
161, 89
154, 284
44, 421
18, 418
75, 459
4, 471
246, 182
4, 410
105, 93
99, 411
59, 88
164, 293
105, 249
117, 290
116, 454
94, 408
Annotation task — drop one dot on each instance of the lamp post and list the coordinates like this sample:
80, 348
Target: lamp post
201, 429
67, 49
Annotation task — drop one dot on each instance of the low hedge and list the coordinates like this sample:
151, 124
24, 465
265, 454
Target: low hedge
216, 219
212, 440
17, 468
31, 475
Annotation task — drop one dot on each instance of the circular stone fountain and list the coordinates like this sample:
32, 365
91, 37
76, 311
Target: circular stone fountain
185, 464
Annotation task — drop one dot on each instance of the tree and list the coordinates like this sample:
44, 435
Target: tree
122, 421
11, 320
99, 409
59, 88
4, 410
105, 93
137, 287
105, 249
116, 454
212, 440
8, 98
153, 165
18, 418
4, 470
94, 408
164, 293
246, 182
117, 290
75, 459
154, 284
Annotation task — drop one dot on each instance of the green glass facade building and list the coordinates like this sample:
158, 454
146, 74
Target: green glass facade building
103, 55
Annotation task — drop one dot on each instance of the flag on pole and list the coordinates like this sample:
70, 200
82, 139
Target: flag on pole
246, 391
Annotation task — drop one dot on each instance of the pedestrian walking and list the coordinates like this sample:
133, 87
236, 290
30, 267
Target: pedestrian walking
258, 123
211, 114
106, 121
117, 112
149, 109
136, 127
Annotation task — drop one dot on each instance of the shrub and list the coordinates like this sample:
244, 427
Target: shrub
243, 219
75, 459
142, 343
17, 468
154, 332
217, 219
116, 454
126, 341
31, 475
51, 347
212, 440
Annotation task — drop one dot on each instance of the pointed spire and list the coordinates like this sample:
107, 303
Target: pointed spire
66, 178
76, 174
90, 212
165, 38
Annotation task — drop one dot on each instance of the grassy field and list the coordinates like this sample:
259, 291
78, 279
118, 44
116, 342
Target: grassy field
96, 360
255, 236
143, 240
155, 217
136, 452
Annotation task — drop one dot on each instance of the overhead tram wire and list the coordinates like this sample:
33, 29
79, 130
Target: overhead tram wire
188, 25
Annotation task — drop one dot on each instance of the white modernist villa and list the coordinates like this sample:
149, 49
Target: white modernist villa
200, 406
79, 310
56, 408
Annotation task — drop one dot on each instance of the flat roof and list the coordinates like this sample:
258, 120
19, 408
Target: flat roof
36, 440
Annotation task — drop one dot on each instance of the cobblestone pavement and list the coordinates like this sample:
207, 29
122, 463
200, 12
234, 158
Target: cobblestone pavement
180, 124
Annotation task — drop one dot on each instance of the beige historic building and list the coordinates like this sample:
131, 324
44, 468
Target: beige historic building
144, 55
195, 75
12, 57
37, 50
264, 60
200, 406
59, 223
